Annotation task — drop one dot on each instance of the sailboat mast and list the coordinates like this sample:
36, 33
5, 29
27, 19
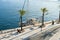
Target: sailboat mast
23, 4
27, 9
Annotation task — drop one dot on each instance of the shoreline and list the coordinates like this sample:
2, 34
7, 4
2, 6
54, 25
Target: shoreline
25, 27
47, 22
28, 32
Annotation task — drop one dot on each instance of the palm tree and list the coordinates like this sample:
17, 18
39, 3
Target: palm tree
44, 10
22, 12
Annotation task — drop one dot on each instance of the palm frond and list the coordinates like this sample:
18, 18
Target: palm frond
22, 12
44, 10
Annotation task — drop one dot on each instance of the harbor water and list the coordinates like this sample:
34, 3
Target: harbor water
9, 15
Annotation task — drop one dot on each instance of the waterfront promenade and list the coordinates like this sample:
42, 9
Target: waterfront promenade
56, 36
35, 34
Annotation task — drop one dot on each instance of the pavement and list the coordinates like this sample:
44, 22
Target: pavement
34, 34
56, 36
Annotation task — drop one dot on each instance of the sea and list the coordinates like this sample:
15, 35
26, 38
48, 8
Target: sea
9, 11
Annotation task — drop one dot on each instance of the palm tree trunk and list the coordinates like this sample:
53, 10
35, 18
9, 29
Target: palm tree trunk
59, 16
21, 22
43, 19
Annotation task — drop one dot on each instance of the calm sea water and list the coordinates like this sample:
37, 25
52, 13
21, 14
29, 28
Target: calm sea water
9, 15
